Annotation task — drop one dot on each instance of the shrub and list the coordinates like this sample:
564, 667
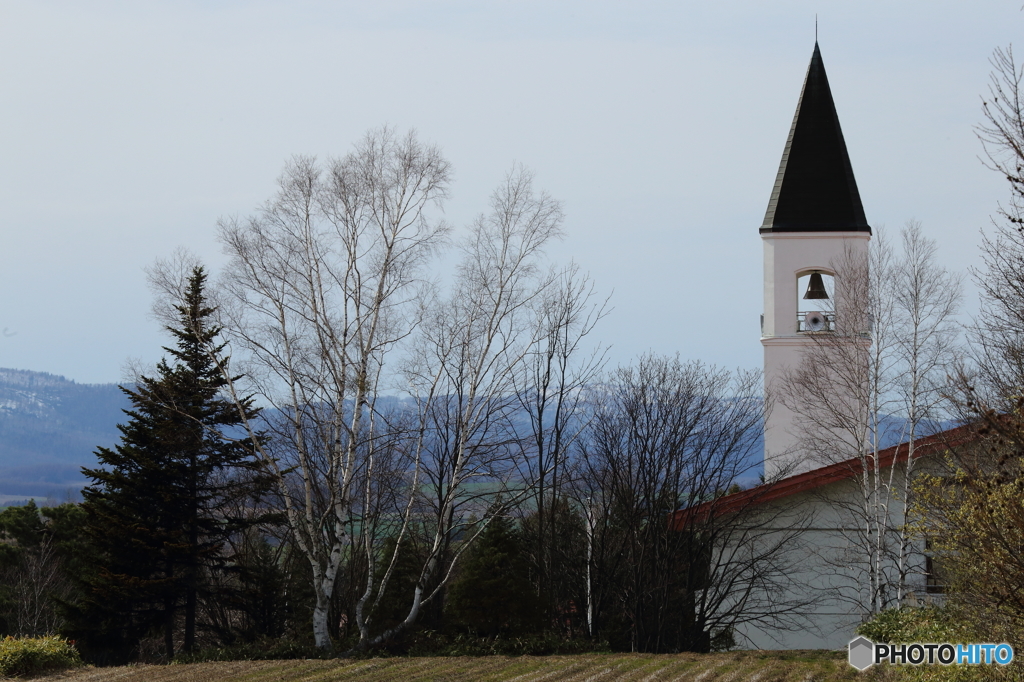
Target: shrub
263, 649
32, 655
933, 624
922, 624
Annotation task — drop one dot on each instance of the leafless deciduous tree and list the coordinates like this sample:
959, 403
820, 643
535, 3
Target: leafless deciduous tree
1002, 132
469, 364
38, 578
877, 377
838, 392
320, 289
998, 338
558, 373
927, 338
973, 510
666, 436
326, 301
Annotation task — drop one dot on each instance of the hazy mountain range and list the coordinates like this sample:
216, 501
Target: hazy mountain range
49, 428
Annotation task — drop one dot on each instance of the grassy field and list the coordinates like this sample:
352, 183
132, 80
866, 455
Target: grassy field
734, 667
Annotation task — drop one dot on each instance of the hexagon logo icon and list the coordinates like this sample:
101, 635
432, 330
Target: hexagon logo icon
862, 653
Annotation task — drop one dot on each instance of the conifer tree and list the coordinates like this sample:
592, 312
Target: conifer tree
494, 596
158, 506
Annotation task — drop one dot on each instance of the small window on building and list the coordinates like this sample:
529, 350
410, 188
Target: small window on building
934, 584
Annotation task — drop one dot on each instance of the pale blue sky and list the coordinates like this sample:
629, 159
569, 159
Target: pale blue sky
128, 128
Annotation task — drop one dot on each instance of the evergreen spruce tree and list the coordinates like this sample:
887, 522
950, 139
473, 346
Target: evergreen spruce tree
158, 507
493, 595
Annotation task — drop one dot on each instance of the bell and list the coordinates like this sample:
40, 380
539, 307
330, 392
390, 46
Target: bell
816, 287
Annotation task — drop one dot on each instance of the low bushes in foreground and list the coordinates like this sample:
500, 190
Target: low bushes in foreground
947, 623
417, 643
915, 624
265, 649
33, 655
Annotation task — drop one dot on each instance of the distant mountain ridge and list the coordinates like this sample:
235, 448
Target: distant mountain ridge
50, 427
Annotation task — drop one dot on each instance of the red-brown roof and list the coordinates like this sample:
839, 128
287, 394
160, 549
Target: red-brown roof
816, 478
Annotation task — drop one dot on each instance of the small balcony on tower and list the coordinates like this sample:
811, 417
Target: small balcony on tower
815, 322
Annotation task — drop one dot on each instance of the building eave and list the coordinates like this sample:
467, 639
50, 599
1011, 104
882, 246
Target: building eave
823, 476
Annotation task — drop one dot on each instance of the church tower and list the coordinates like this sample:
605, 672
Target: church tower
814, 218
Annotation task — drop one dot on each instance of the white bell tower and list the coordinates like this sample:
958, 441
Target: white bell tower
814, 218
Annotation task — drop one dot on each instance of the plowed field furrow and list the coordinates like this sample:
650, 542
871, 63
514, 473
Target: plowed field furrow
731, 667
708, 674
525, 669
535, 675
631, 670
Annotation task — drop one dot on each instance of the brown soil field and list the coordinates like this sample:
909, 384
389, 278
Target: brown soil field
731, 667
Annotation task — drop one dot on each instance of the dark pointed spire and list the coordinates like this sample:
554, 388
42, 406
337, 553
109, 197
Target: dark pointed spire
815, 189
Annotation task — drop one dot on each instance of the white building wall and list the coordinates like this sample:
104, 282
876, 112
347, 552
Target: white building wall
831, 567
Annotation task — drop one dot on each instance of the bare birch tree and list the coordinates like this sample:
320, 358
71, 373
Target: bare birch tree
319, 291
927, 299
559, 371
838, 392
324, 294
470, 357
38, 580
875, 378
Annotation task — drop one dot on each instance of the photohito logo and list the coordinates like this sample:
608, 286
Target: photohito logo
863, 653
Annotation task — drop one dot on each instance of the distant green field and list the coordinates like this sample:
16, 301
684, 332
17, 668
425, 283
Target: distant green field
735, 667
